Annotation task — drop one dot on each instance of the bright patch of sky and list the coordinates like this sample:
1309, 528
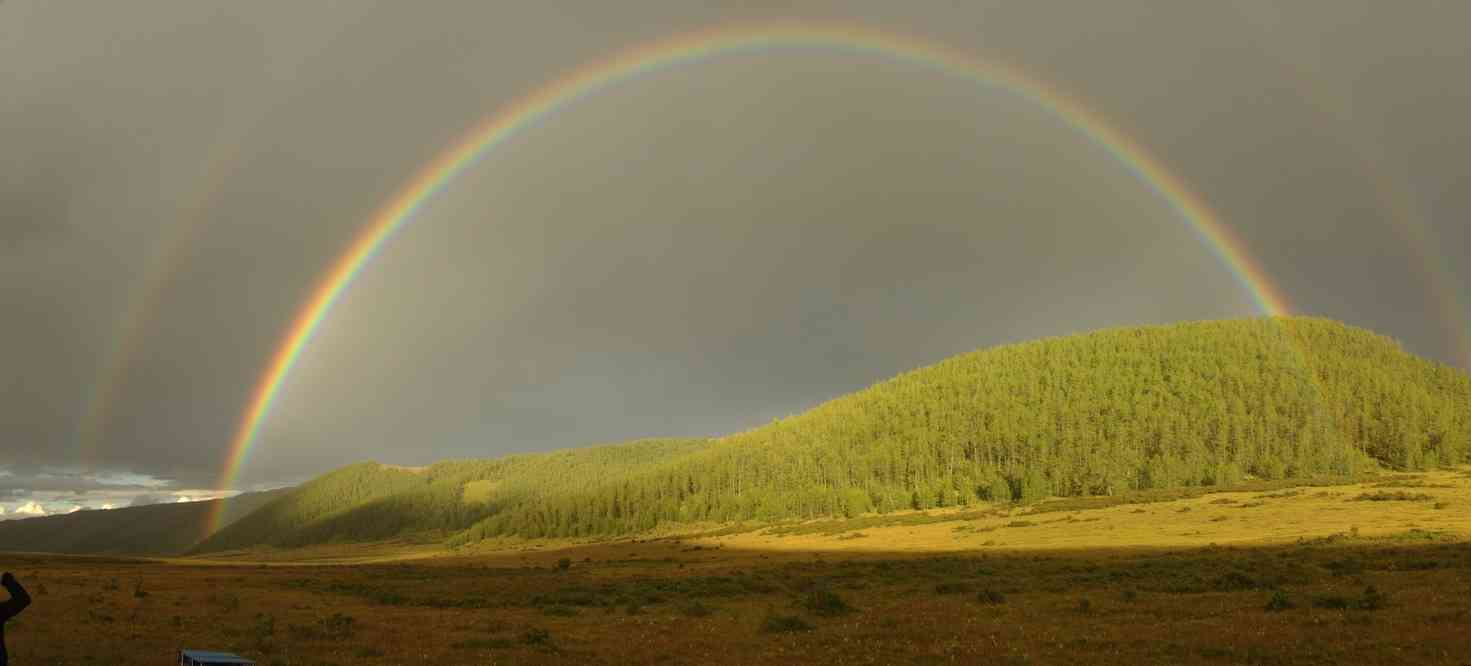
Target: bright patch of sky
18, 503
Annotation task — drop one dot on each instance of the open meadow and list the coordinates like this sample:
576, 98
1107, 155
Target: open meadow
1377, 571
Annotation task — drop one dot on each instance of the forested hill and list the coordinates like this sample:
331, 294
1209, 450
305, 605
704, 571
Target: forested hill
1160, 406
156, 529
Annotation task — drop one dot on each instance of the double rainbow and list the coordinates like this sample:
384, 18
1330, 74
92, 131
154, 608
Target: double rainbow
697, 47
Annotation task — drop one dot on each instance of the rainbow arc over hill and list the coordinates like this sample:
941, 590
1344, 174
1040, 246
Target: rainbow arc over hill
693, 48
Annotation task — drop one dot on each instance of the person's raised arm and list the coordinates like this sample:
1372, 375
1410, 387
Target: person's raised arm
18, 598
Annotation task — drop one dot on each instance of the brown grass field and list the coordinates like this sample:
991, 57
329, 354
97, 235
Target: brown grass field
1366, 573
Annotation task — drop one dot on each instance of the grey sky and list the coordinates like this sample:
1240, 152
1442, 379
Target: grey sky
695, 252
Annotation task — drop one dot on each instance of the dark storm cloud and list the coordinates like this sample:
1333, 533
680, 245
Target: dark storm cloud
22, 224
693, 252
75, 483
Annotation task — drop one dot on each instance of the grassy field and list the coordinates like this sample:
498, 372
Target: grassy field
1370, 572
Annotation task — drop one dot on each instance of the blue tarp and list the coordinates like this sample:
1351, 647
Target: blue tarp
203, 657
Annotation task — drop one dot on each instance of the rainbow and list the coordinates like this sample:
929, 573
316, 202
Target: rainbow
703, 46
146, 298
1332, 105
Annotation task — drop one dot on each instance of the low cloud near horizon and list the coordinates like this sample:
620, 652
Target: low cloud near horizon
52, 503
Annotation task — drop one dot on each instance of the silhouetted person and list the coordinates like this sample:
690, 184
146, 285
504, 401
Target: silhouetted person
16, 603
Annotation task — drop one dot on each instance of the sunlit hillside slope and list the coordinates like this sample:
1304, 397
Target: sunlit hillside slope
1206, 403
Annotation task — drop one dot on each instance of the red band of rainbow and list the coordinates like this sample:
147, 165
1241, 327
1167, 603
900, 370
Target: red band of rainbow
702, 46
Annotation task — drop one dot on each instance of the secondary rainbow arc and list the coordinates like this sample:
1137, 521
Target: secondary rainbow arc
145, 300
696, 47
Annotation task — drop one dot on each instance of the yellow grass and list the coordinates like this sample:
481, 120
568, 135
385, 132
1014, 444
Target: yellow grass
1192, 523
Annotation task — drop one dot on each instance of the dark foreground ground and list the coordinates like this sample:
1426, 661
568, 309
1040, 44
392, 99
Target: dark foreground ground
1396, 599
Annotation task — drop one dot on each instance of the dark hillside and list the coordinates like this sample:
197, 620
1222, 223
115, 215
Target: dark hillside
158, 529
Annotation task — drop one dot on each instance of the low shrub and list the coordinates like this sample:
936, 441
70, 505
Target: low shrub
1234, 580
1411, 483
1331, 601
695, 609
337, 625
1277, 495
1280, 602
774, 623
1396, 496
1344, 567
264, 628
991, 597
826, 603
1417, 534
1373, 599
952, 588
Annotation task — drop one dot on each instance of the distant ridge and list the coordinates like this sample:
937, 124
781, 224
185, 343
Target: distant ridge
1201, 403
155, 529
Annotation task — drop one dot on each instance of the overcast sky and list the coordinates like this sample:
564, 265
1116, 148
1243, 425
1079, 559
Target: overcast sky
694, 252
